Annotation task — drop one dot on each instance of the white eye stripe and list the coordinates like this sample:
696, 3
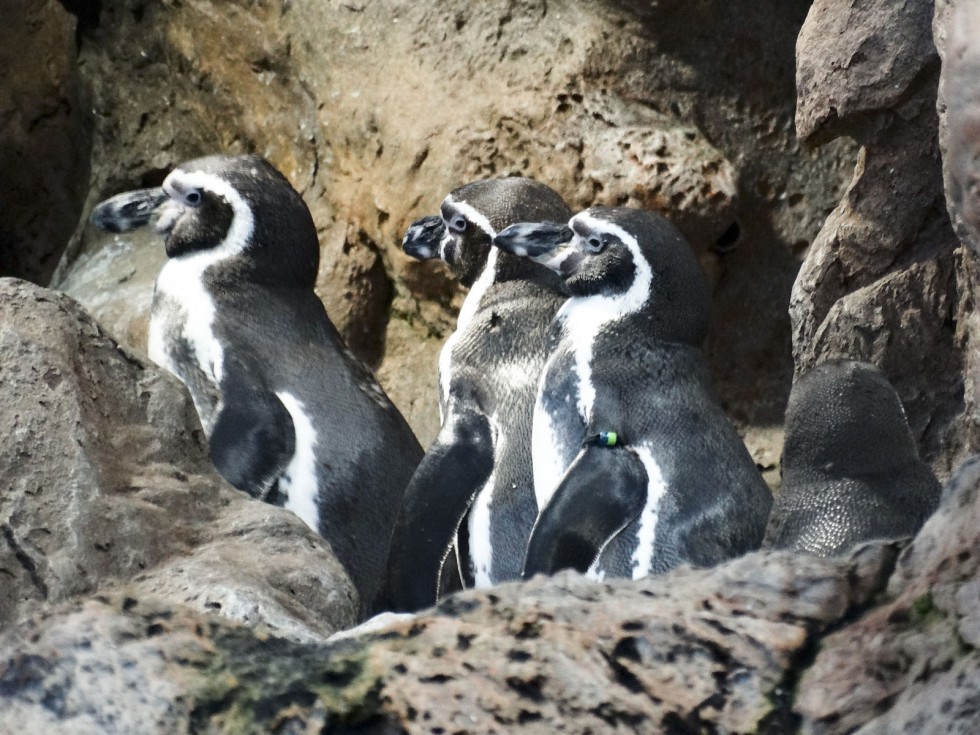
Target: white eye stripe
473, 215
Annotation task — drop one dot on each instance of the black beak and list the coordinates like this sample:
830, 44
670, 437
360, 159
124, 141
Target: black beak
533, 239
423, 236
129, 210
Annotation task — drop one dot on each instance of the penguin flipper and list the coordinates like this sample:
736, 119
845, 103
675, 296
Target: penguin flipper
253, 439
441, 491
602, 491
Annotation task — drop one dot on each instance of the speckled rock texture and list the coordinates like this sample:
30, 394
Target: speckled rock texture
692, 651
884, 640
105, 481
374, 111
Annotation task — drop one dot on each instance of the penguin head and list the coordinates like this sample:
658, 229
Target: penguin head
630, 255
239, 210
844, 419
471, 215
423, 238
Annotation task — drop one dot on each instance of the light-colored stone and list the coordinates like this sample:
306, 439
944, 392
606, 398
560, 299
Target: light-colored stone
105, 480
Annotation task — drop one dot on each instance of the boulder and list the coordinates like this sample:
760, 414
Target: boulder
107, 482
885, 640
45, 136
884, 281
704, 651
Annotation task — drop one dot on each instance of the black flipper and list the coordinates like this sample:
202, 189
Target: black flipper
253, 438
603, 490
454, 469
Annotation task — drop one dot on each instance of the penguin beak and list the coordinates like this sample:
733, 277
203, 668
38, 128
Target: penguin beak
547, 243
423, 236
128, 211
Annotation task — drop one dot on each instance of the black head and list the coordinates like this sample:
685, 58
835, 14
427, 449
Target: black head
423, 238
633, 256
237, 209
844, 419
474, 213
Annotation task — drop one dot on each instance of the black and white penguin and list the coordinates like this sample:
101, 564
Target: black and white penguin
850, 469
474, 487
292, 417
636, 467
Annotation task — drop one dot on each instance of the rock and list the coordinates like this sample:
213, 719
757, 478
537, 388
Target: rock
910, 665
882, 281
374, 111
704, 650
107, 481
957, 28
45, 137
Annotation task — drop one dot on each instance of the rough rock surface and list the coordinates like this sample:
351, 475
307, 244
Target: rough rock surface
911, 665
769, 643
884, 280
956, 28
44, 137
375, 110
701, 651
105, 479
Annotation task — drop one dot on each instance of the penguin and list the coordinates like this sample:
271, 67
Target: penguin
291, 416
474, 488
636, 467
850, 469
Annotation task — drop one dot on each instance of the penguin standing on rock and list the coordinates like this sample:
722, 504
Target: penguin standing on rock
636, 467
851, 471
292, 417
474, 487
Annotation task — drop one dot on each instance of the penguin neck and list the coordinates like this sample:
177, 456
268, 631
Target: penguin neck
510, 267
584, 317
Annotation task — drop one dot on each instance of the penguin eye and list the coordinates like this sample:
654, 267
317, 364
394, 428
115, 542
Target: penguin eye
458, 223
193, 197
595, 244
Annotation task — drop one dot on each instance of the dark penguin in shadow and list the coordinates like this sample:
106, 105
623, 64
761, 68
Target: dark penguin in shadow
636, 467
475, 486
292, 417
851, 471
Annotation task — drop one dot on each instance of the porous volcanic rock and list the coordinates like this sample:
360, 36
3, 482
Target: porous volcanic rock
374, 111
107, 482
885, 640
711, 651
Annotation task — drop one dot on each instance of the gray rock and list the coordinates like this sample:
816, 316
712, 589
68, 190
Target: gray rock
106, 481
956, 27
882, 281
709, 650
907, 665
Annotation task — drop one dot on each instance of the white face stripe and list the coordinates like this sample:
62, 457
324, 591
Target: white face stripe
298, 482
444, 243
472, 215
584, 316
647, 532
181, 279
